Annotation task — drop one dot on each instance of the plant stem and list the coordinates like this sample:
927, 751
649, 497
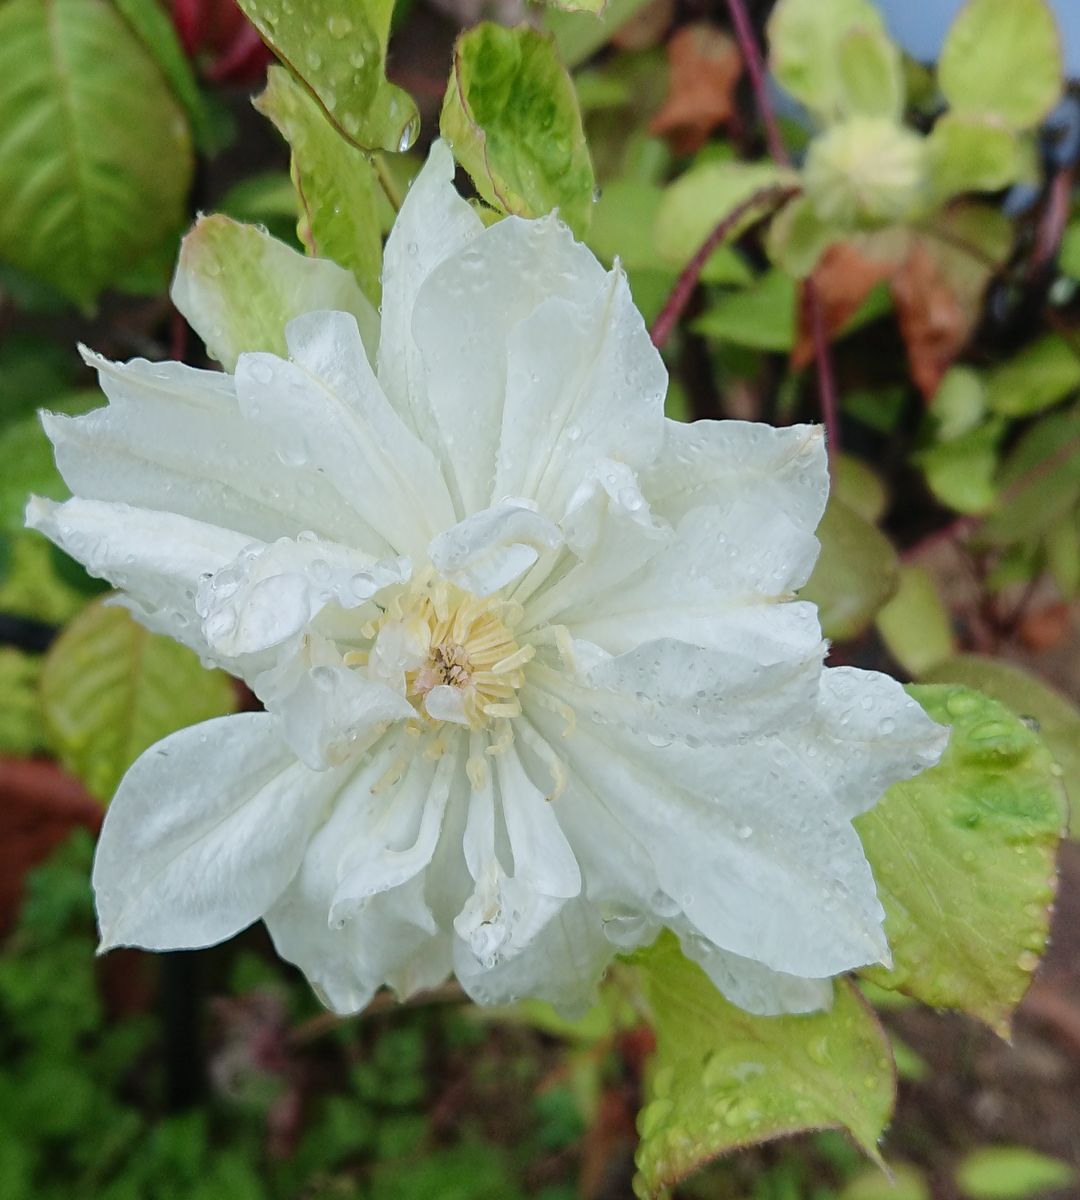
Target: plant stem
386, 182
769, 199
755, 68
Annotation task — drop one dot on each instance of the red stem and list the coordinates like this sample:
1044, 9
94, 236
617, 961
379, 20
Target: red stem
755, 68
770, 198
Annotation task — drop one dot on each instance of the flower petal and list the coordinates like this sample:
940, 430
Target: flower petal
754, 987
714, 463
434, 223
494, 547
600, 397
173, 437
325, 412
157, 558
464, 312
205, 832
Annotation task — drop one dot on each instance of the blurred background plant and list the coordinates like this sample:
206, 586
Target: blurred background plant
887, 202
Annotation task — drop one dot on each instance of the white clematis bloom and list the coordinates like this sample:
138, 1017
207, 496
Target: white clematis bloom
536, 682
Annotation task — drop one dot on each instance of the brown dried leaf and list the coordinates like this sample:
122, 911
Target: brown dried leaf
845, 276
705, 70
40, 805
645, 28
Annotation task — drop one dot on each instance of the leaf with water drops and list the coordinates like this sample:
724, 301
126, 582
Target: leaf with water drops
1031, 699
335, 183
110, 689
964, 859
722, 1079
239, 288
337, 49
511, 116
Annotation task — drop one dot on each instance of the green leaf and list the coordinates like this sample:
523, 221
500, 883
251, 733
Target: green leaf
151, 25
622, 225
860, 488
798, 237
761, 316
1062, 544
511, 116
915, 624
812, 57
21, 731
699, 200
578, 35
110, 690
1040, 376
722, 1079
28, 460
239, 288
870, 74
337, 49
91, 179
963, 855
902, 1183
1027, 697
972, 154
1011, 1173
1040, 481
1002, 58
1069, 256
31, 585
961, 472
335, 183
959, 404
855, 574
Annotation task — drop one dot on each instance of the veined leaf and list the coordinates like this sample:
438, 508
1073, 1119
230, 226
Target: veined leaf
21, 732
337, 49
722, 1079
511, 116
91, 180
963, 855
110, 689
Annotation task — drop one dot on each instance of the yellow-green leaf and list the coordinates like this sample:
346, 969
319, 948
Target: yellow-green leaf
239, 288
972, 154
963, 855
1028, 697
22, 732
915, 624
110, 689
337, 49
1002, 58
855, 574
335, 183
722, 1079
1011, 1173
511, 116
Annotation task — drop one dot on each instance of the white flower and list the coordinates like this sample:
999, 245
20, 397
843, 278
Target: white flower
536, 681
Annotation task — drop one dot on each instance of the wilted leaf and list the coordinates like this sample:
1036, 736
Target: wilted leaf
90, 181
1002, 58
939, 289
844, 277
807, 41
335, 183
339, 54
1025, 695
705, 71
855, 574
915, 624
963, 855
110, 690
239, 288
723, 1079
1040, 376
1011, 1173
511, 116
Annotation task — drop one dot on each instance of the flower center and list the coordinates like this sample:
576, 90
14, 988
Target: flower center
457, 651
